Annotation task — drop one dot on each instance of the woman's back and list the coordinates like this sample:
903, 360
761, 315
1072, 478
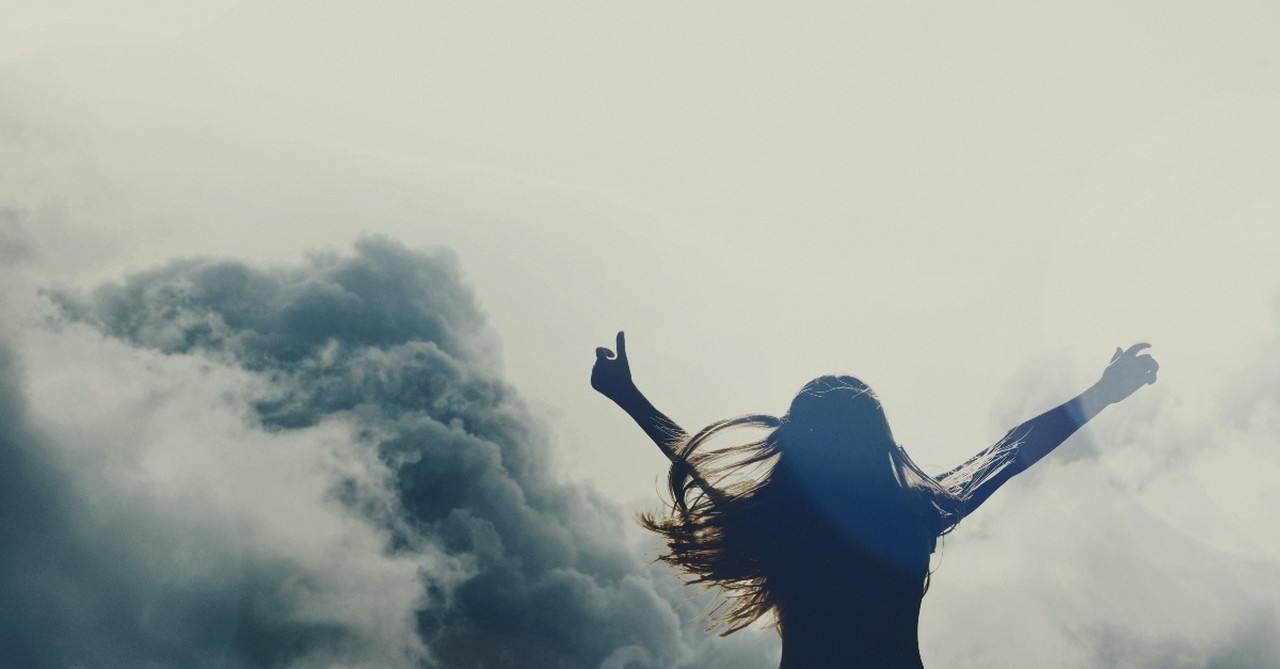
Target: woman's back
847, 587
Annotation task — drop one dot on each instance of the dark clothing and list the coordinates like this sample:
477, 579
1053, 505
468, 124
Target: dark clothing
851, 596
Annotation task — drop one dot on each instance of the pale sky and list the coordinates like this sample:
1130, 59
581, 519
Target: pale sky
968, 206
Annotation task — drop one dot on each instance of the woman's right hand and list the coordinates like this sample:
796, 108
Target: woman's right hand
611, 375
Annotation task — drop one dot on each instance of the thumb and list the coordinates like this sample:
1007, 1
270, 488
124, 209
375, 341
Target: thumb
1116, 356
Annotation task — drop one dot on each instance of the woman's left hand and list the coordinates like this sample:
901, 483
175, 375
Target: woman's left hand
1126, 373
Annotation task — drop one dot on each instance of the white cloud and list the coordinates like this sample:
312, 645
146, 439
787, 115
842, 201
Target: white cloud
1142, 543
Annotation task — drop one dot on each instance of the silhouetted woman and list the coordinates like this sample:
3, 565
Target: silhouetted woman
825, 521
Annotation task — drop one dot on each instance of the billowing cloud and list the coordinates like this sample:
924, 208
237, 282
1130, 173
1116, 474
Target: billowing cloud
216, 464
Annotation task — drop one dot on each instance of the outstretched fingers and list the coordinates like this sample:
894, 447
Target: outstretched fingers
603, 353
1132, 351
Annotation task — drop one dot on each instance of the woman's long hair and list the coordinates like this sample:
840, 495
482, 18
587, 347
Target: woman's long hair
727, 504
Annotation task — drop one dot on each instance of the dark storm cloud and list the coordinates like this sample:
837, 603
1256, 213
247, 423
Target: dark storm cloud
519, 569
277, 319
29, 505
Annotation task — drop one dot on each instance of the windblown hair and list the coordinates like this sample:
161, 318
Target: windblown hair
727, 503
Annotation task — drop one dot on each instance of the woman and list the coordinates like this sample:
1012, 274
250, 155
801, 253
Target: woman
825, 521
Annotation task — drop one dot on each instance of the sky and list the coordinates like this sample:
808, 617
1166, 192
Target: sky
300, 301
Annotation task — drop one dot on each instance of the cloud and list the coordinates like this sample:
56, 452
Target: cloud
211, 463
147, 524
214, 463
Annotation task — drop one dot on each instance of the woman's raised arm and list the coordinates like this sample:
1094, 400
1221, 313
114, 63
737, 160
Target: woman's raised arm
611, 376
1027, 443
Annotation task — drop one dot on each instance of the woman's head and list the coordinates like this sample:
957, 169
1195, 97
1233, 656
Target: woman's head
835, 446
837, 413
